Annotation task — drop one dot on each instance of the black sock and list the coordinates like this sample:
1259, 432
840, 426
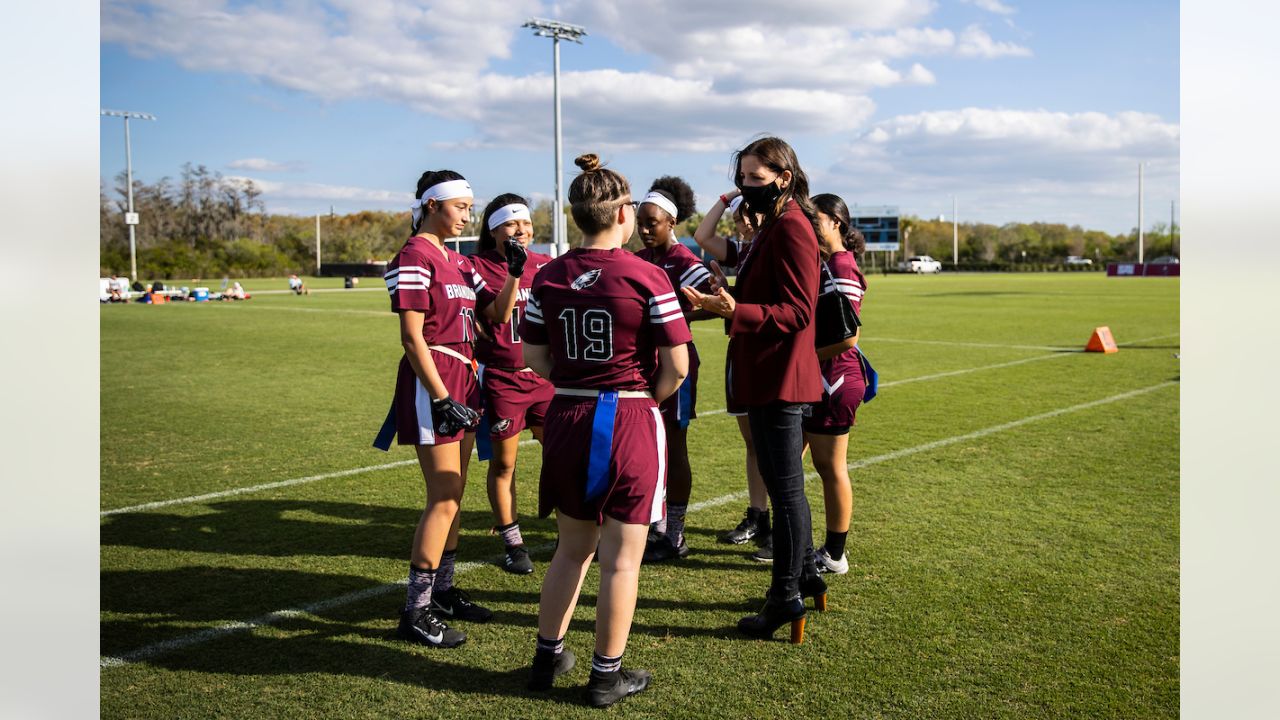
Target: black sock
444, 574
605, 664
550, 647
835, 544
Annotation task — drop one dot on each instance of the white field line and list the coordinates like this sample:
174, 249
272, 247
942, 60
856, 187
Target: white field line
873, 340
401, 463
341, 311
164, 646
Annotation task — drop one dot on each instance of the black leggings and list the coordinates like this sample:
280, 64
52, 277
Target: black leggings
779, 441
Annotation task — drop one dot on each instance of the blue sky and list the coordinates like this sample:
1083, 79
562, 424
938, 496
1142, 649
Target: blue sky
1025, 111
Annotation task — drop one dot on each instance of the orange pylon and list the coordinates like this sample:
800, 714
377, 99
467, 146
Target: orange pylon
1101, 341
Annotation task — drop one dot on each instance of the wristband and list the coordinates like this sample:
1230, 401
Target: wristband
724, 200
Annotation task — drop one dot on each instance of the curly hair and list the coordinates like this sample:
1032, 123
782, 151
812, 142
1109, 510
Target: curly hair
678, 192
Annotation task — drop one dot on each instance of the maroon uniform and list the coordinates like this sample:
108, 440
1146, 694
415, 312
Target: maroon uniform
842, 381
683, 269
603, 314
443, 286
514, 397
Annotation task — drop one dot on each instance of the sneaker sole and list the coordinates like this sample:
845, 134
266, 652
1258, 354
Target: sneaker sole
762, 561
415, 640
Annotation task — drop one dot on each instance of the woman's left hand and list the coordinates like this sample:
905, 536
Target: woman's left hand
719, 302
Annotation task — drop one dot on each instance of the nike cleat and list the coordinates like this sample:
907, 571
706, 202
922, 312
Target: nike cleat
421, 626
456, 604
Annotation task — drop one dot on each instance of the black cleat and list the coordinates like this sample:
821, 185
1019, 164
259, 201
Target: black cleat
662, 549
421, 626
517, 561
549, 666
605, 689
455, 604
765, 552
753, 523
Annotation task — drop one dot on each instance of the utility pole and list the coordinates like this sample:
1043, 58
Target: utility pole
955, 234
557, 31
1171, 246
130, 217
1139, 213
317, 244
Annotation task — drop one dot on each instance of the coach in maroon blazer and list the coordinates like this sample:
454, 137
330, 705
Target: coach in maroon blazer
773, 366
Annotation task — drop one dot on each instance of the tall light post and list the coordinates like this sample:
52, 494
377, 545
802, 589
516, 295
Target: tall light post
130, 217
557, 31
1139, 213
955, 234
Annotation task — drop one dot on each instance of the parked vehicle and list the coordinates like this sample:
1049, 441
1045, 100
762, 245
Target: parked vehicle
1078, 260
920, 264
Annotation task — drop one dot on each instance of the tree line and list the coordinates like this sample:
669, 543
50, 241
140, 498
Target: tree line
203, 224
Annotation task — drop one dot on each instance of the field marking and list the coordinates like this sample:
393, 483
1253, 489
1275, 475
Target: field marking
1078, 348
523, 443
342, 311
164, 646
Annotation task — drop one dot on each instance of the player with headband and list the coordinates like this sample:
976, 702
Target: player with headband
436, 293
605, 328
670, 202
515, 397
729, 252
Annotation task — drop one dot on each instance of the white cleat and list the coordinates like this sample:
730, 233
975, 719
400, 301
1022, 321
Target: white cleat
828, 565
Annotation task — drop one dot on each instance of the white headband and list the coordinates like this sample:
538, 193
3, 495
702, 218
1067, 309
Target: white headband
661, 201
734, 203
446, 190
507, 213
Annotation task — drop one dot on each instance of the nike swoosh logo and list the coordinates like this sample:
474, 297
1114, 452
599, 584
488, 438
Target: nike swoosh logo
541, 265
433, 639
668, 267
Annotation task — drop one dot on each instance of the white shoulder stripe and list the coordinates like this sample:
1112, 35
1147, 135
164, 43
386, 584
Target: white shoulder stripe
662, 298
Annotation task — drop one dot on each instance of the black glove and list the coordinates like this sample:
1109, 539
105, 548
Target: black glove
450, 416
517, 256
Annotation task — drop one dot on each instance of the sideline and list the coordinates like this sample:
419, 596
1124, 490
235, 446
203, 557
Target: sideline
401, 463
159, 648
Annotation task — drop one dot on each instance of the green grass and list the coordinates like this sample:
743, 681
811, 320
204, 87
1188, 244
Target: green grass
1031, 572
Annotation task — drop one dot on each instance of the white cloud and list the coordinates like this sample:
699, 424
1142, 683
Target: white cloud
717, 75
273, 191
975, 42
1012, 164
264, 165
993, 6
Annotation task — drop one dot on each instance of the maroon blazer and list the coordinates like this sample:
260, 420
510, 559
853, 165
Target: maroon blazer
771, 355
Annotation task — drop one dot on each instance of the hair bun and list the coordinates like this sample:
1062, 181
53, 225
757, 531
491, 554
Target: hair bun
589, 162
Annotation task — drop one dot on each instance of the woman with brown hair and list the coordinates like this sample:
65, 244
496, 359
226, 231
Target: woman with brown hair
772, 366
605, 328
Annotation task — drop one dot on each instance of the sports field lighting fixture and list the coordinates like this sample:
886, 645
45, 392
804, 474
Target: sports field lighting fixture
130, 217
557, 31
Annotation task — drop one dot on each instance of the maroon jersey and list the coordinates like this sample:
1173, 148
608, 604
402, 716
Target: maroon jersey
442, 285
604, 313
501, 347
843, 275
683, 269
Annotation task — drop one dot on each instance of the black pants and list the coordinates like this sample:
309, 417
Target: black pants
779, 441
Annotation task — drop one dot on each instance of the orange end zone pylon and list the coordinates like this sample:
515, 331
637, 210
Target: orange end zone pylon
1101, 341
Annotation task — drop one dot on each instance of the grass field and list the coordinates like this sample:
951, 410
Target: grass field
1014, 548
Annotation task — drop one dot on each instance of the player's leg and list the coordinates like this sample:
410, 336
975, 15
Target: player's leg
440, 472
621, 552
670, 543
501, 487
830, 460
448, 599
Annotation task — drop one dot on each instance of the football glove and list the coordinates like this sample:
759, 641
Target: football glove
451, 416
516, 257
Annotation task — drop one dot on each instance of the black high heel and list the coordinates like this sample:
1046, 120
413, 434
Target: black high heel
816, 588
774, 615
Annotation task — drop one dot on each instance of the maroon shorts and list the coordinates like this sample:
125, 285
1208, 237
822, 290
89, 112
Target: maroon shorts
637, 468
414, 424
514, 400
834, 413
682, 405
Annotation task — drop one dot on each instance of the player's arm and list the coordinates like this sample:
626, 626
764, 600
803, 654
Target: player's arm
673, 368
537, 358
499, 311
706, 236
419, 353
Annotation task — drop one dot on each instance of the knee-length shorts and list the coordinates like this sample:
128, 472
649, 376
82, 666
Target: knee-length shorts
514, 400
414, 423
637, 477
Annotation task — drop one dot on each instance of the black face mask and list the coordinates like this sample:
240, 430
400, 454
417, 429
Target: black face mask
761, 198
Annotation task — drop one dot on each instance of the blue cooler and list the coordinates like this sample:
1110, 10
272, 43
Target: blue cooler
202, 294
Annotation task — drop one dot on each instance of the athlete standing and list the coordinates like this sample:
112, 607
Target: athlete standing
827, 429
515, 397
436, 292
604, 326
668, 202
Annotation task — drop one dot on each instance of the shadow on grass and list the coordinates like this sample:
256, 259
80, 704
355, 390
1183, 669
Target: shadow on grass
281, 528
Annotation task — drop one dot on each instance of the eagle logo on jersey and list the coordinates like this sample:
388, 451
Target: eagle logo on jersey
585, 280
500, 426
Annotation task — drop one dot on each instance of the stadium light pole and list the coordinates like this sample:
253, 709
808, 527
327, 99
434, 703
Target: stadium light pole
955, 234
557, 31
1139, 213
130, 217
